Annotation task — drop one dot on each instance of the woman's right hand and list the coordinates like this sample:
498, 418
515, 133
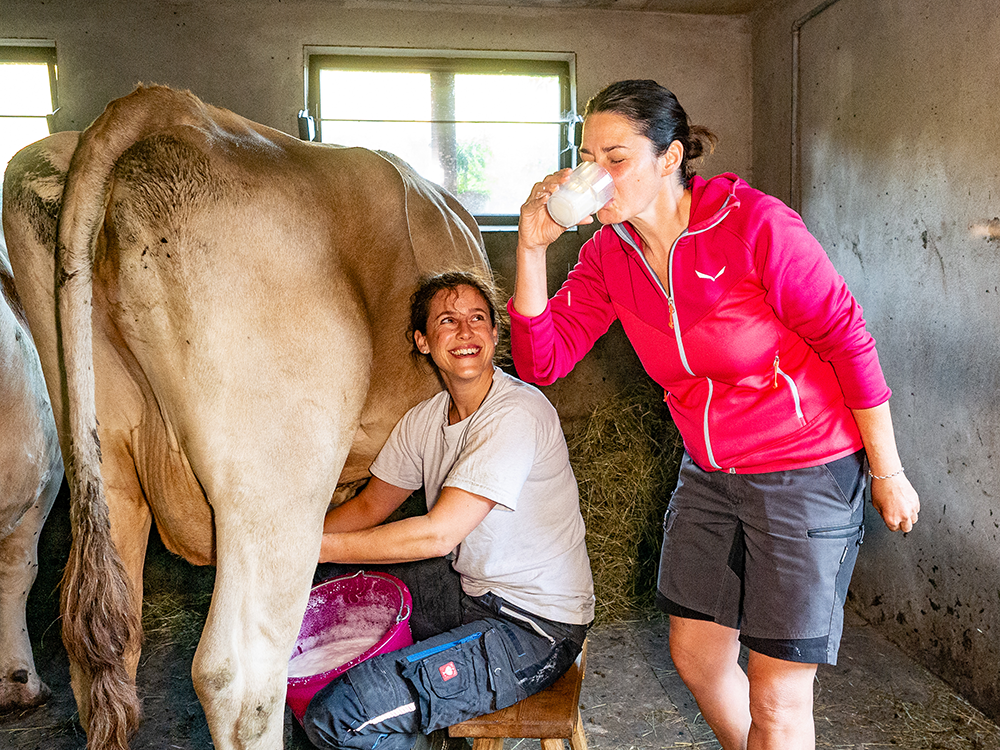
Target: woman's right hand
535, 228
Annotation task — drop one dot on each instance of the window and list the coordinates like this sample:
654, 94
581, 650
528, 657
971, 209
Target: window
28, 83
486, 129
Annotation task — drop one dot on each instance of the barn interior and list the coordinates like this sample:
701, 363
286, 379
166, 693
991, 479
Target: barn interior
875, 119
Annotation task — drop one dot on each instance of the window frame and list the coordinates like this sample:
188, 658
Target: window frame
563, 64
35, 51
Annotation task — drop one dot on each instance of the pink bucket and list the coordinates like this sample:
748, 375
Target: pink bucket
352, 618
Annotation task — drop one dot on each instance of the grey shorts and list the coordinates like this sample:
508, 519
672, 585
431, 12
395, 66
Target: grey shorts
770, 555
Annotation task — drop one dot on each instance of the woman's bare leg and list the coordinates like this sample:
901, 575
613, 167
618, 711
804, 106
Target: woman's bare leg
705, 655
781, 704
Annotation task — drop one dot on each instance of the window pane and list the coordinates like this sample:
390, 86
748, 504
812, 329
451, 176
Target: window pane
25, 101
18, 132
507, 98
507, 159
25, 88
486, 137
370, 95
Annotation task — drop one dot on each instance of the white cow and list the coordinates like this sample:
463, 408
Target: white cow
31, 471
232, 307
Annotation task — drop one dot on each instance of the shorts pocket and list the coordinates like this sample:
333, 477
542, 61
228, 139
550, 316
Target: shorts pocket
502, 680
848, 474
836, 532
668, 518
850, 536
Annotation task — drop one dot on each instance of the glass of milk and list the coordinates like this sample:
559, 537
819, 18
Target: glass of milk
588, 190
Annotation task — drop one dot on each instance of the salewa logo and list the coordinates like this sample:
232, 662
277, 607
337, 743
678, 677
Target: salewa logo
448, 671
710, 278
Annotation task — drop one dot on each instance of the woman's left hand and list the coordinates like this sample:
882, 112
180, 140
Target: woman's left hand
892, 494
896, 501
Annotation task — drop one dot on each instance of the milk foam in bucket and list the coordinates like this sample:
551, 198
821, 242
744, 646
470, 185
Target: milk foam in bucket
588, 189
348, 619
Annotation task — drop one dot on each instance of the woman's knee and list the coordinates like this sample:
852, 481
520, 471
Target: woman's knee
701, 649
781, 692
362, 708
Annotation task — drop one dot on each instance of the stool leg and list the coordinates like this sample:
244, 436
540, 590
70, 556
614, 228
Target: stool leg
579, 740
550, 744
487, 743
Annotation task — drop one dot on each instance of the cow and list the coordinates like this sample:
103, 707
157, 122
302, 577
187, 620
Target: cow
31, 473
221, 314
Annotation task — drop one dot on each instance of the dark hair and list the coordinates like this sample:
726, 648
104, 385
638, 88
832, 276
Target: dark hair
429, 286
658, 116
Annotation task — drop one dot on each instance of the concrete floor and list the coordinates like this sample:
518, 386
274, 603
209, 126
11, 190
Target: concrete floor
632, 698
875, 697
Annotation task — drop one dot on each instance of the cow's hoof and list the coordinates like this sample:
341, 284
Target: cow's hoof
21, 691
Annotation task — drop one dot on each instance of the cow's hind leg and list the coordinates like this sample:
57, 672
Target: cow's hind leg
266, 560
20, 685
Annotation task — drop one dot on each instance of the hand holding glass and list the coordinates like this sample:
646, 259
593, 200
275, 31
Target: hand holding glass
588, 190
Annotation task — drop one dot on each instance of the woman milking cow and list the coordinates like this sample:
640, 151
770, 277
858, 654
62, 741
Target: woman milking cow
502, 513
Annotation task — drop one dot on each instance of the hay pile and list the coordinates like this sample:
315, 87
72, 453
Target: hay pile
625, 456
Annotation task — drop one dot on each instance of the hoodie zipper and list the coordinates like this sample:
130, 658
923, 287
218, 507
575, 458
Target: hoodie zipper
778, 372
674, 320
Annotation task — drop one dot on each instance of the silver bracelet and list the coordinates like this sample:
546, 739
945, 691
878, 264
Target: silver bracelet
887, 476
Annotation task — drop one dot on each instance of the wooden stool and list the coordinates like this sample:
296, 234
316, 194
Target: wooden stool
551, 715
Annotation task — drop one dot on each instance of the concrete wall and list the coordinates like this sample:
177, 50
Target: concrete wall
247, 56
899, 175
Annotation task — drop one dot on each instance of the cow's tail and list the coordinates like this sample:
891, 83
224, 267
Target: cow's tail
101, 625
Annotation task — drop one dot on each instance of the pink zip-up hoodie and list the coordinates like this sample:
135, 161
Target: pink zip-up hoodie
758, 344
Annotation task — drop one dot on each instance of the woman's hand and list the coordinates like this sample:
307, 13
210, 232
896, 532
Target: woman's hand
892, 494
536, 229
896, 501
434, 534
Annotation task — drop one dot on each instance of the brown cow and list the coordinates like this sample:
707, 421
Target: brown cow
232, 305
30, 474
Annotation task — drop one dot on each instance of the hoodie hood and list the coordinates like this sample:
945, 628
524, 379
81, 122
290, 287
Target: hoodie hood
711, 202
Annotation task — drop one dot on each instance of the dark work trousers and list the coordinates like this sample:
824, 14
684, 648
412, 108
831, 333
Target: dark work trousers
435, 587
498, 656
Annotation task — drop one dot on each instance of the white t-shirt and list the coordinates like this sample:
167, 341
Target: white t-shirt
530, 548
